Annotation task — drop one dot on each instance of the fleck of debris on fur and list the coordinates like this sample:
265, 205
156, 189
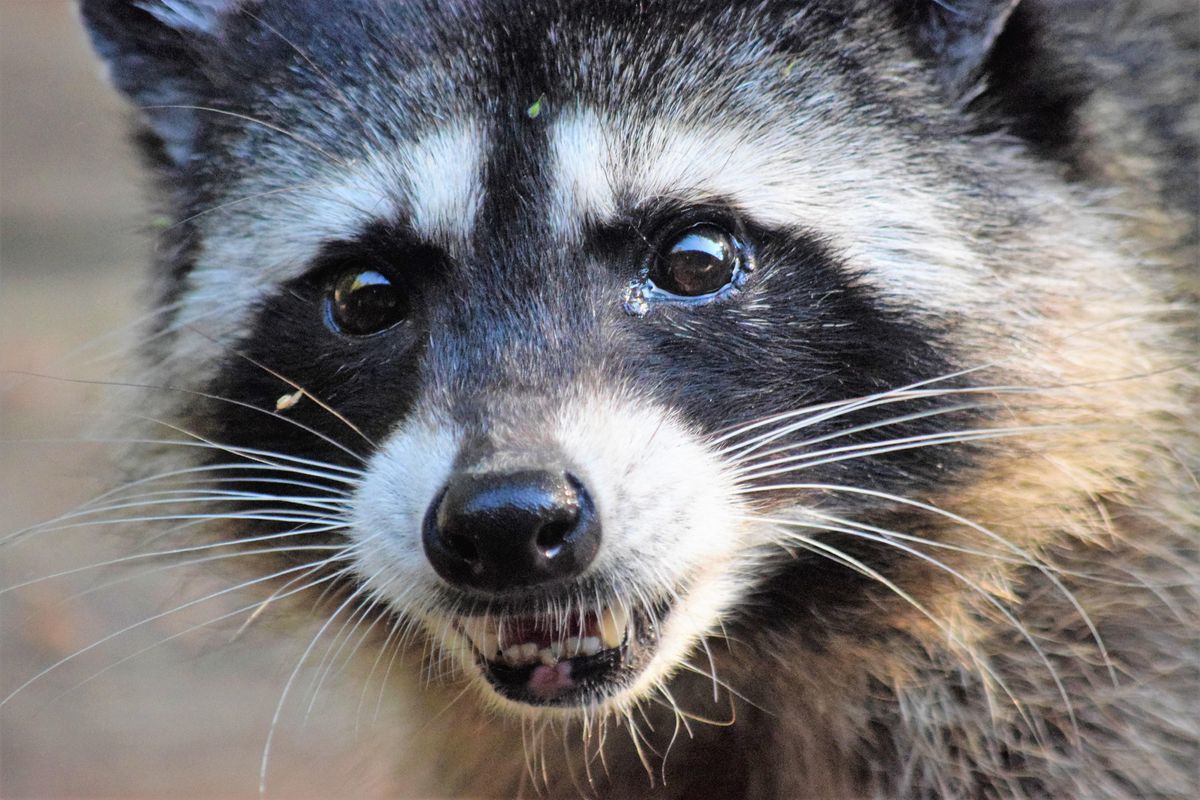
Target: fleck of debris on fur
289, 400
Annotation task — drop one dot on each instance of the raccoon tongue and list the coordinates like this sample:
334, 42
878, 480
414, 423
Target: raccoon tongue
548, 682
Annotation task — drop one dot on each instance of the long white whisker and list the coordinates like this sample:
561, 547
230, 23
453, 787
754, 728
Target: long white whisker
851, 529
315, 567
761, 459
193, 549
266, 755
834, 554
851, 452
146, 621
254, 120
1024, 556
273, 413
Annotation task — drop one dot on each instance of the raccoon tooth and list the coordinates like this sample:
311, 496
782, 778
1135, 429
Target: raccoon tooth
612, 626
529, 651
488, 644
547, 657
590, 645
572, 645
513, 654
556, 649
476, 631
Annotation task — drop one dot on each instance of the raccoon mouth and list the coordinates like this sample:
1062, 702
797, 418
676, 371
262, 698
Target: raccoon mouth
549, 661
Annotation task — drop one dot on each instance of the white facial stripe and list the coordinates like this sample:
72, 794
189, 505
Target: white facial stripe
444, 183
583, 168
433, 183
884, 220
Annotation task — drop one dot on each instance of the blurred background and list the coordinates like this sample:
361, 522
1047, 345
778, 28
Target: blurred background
189, 717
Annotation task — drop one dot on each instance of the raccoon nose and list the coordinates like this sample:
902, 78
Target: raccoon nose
506, 530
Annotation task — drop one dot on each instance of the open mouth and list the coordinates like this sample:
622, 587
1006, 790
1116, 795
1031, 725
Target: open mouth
550, 660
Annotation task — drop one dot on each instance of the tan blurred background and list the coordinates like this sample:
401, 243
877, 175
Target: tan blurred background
187, 719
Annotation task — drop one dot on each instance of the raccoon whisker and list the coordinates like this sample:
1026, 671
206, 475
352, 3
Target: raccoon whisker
266, 754
254, 458
336, 91
640, 745
329, 661
680, 721
762, 459
312, 468
842, 409
863, 532
346, 553
895, 445
587, 737
183, 550
133, 576
263, 516
392, 628
570, 762
217, 469
712, 665
270, 412
326, 497
205, 492
436, 716
910, 392
822, 518
171, 497
90, 508
811, 415
295, 187
279, 594
1025, 556
690, 667
198, 626
321, 403
906, 392
373, 603
716, 723
295, 137
817, 547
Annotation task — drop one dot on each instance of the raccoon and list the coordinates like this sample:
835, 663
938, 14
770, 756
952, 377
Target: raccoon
689, 399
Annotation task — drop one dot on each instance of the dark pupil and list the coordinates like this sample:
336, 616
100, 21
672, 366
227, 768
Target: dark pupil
365, 302
701, 261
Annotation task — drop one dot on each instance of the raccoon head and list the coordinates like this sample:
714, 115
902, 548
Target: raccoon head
584, 336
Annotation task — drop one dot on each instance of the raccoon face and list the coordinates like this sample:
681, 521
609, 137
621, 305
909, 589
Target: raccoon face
594, 334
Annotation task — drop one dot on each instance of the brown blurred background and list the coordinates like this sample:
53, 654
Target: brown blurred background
187, 719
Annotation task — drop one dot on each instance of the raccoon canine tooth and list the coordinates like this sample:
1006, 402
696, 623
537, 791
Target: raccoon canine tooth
590, 645
489, 645
479, 637
548, 658
612, 626
556, 649
572, 646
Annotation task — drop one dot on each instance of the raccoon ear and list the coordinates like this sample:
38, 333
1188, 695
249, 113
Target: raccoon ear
156, 52
958, 35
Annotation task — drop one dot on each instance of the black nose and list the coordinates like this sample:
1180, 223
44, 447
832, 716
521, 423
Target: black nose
505, 530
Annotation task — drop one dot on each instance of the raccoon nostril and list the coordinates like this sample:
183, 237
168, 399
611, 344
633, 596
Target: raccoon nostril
553, 535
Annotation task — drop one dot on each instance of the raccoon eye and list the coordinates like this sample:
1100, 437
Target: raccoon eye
364, 302
698, 261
